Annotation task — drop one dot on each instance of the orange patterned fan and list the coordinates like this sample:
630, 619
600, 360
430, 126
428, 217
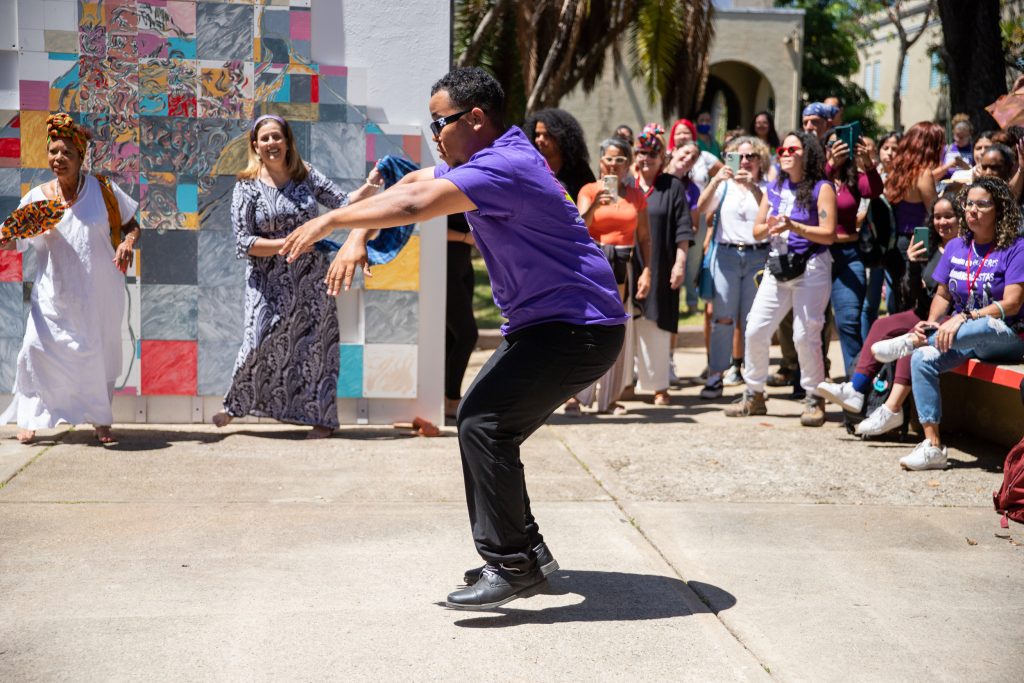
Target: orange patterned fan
32, 219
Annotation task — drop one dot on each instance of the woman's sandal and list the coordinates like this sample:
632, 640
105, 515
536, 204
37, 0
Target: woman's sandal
26, 436
572, 408
320, 432
103, 434
661, 398
222, 419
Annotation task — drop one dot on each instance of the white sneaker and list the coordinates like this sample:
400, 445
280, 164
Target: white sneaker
843, 394
925, 456
733, 377
879, 422
888, 350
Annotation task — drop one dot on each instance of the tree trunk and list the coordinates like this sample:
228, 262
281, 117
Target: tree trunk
897, 93
973, 55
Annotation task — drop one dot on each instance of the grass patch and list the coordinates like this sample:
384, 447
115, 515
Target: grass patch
488, 317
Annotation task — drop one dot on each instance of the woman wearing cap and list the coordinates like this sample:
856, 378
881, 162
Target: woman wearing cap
71, 354
287, 368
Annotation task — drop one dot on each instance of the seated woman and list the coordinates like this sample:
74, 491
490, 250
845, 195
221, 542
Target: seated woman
981, 275
944, 221
616, 223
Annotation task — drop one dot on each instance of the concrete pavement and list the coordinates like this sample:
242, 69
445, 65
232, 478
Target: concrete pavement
692, 548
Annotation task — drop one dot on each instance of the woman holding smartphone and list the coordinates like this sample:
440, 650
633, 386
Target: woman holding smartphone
942, 225
981, 276
798, 214
616, 216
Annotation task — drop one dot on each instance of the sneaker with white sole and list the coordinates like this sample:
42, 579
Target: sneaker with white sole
842, 394
880, 421
888, 350
925, 456
713, 389
733, 377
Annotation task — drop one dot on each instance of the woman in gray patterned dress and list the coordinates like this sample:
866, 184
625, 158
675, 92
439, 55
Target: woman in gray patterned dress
287, 368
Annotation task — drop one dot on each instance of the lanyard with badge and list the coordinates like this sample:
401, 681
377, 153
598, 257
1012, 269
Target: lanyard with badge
972, 280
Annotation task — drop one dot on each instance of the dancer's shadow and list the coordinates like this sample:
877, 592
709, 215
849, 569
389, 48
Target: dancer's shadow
610, 596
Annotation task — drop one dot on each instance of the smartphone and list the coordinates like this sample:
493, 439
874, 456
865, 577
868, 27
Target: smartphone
732, 160
611, 184
850, 133
922, 235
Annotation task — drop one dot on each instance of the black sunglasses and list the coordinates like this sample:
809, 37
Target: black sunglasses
440, 122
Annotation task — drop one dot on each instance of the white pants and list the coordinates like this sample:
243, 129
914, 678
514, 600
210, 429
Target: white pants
653, 355
808, 296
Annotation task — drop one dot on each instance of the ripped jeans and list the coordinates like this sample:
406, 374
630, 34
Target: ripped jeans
987, 339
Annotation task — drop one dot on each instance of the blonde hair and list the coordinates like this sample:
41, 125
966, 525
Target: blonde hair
760, 149
297, 170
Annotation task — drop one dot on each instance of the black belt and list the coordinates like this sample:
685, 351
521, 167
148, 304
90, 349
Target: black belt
744, 247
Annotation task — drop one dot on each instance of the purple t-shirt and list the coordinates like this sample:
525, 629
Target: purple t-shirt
1002, 267
543, 265
783, 203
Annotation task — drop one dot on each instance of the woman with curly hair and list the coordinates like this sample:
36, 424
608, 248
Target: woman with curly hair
910, 190
981, 276
558, 137
798, 214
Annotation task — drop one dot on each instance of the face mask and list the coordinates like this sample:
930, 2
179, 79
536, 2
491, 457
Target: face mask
703, 128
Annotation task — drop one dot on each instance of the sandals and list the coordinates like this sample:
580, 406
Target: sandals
572, 408
26, 436
661, 398
103, 434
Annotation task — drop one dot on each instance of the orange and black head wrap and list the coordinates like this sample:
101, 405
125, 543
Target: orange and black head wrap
61, 126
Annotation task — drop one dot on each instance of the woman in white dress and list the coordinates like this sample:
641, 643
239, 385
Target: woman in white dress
71, 355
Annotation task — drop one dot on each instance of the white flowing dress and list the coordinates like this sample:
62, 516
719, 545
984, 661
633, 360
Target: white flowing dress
71, 355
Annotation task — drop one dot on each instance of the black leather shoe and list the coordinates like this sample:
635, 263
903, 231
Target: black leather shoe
545, 561
496, 586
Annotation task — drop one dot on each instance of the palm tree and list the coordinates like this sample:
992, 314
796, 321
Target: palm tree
540, 50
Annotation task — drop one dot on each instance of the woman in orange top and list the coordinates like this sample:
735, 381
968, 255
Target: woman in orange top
617, 224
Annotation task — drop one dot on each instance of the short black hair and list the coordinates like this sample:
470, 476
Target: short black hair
471, 86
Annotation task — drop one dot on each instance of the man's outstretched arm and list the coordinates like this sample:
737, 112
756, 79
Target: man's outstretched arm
402, 204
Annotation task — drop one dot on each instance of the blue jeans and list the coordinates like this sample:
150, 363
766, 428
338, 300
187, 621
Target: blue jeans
849, 288
733, 271
872, 299
986, 339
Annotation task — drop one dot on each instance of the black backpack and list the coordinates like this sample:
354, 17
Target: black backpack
876, 237
881, 387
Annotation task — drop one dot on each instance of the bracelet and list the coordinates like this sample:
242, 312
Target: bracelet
1002, 311
376, 185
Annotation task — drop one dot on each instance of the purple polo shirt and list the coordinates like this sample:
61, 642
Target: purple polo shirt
543, 265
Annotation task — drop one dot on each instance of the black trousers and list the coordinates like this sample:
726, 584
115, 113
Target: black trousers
532, 372
460, 325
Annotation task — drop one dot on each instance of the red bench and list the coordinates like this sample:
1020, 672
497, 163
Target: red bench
1011, 376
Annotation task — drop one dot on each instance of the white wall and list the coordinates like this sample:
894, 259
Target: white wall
404, 47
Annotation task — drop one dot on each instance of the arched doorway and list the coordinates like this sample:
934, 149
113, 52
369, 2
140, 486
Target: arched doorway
735, 91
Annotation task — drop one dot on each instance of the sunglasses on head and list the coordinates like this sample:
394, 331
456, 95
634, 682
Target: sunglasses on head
788, 151
441, 121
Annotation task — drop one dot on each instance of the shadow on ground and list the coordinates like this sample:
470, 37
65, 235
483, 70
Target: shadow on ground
610, 596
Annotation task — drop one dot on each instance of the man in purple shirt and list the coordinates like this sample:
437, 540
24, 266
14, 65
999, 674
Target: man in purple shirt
565, 319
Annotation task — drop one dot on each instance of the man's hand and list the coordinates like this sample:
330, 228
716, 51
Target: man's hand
643, 284
302, 239
350, 258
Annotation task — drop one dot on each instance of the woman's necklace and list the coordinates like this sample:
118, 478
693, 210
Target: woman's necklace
78, 190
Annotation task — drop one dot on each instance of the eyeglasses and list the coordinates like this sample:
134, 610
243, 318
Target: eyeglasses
788, 151
614, 161
980, 204
441, 121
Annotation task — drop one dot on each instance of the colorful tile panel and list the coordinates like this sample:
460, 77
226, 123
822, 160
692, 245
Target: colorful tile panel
168, 89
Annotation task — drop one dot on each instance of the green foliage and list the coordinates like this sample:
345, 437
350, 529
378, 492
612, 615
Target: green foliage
831, 31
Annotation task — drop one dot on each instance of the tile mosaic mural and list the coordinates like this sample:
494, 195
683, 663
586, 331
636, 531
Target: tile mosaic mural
168, 89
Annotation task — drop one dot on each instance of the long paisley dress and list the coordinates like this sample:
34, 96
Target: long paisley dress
287, 368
